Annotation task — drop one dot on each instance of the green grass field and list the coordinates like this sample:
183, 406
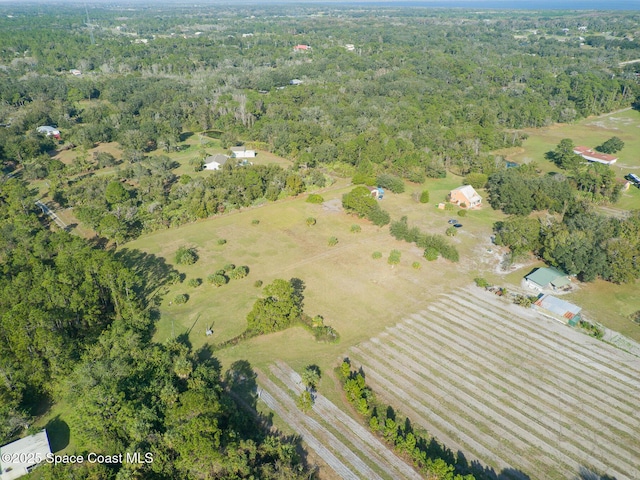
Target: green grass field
590, 132
356, 294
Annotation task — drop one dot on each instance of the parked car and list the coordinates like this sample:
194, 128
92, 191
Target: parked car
632, 177
457, 225
453, 221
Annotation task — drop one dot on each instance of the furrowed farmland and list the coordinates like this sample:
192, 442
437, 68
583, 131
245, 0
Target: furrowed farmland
347, 447
516, 391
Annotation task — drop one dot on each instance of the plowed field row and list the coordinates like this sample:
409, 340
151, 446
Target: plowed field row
293, 418
560, 359
511, 387
589, 356
360, 437
523, 412
571, 339
346, 446
565, 390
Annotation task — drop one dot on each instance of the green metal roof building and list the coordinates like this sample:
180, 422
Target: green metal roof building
547, 277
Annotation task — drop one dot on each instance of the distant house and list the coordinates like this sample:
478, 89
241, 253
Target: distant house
26, 454
547, 278
75, 72
588, 154
49, 131
465, 195
295, 81
350, 47
376, 192
301, 48
558, 309
215, 162
242, 152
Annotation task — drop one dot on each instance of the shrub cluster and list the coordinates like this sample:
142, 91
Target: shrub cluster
320, 331
186, 256
433, 244
181, 298
360, 202
315, 198
390, 182
430, 457
394, 257
230, 271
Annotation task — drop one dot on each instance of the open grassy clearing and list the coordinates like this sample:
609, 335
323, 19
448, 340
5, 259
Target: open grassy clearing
590, 132
510, 387
355, 293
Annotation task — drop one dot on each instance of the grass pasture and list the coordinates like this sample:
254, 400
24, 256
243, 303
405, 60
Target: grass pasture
355, 293
590, 132
523, 394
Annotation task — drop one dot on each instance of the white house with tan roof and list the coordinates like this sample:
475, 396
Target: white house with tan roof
465, 196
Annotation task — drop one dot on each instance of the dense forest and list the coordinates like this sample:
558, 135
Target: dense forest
381, 94
76, 323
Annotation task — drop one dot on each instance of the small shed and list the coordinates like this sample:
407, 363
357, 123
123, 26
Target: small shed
558, 309
25, 454
547, 277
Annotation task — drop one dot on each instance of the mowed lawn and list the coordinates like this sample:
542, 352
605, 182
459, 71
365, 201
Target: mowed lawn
356, 294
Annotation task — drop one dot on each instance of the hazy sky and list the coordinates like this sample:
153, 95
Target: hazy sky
506, 4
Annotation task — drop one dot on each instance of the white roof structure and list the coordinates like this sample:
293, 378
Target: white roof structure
558, 306
588, 154
214, 162
472, 197
242, 152
46, 129
24, 455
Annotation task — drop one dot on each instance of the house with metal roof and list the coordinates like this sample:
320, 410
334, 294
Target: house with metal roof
20, 457
465, 196
592, 156
547, 278
558, 309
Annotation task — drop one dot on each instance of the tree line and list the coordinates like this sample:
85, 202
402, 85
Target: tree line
76, 326
572, 236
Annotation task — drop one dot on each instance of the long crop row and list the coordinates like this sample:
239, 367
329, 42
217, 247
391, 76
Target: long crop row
347, 447
521, 393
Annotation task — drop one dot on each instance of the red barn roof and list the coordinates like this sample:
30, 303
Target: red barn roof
588, 154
